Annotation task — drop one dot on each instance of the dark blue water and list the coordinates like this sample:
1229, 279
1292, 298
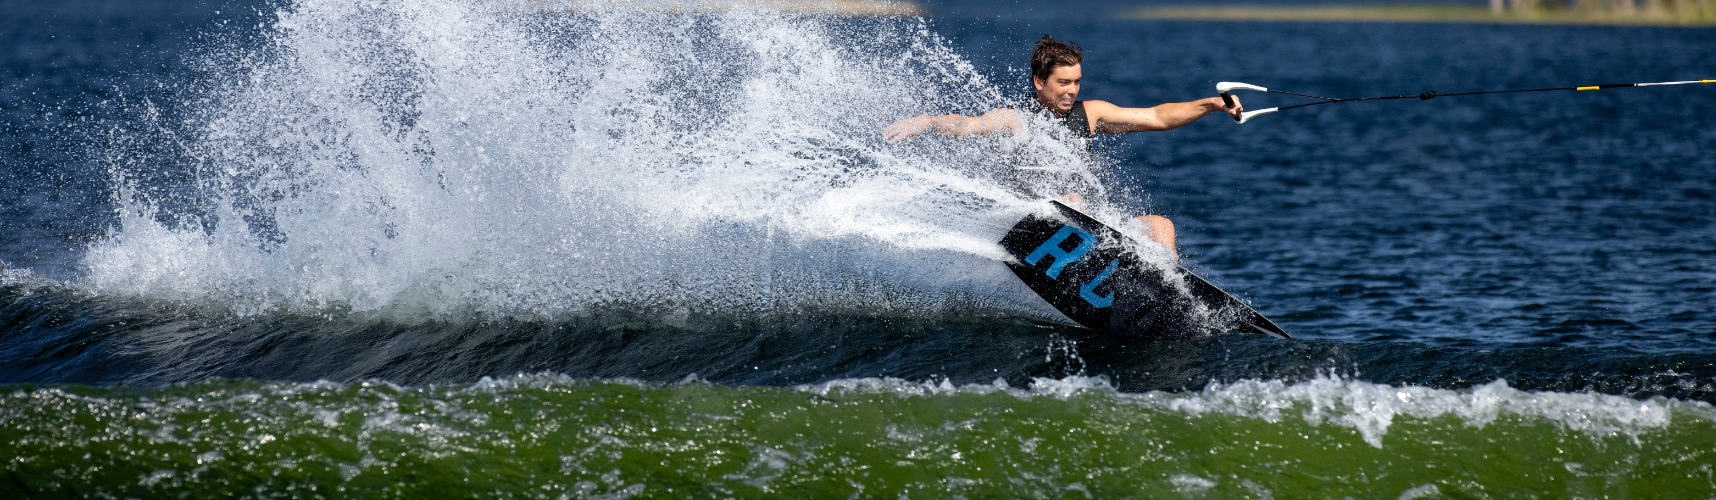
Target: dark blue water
1558, 240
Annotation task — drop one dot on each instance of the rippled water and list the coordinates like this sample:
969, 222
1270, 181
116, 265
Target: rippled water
549, 437
310, 247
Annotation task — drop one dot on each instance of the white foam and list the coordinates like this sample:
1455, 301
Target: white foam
25, 282
1372, 408
424, 157
1368, 408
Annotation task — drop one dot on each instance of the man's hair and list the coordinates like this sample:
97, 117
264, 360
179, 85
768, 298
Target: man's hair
1051, 54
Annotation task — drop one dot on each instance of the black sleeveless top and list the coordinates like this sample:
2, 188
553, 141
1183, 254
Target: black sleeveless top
1075, 120
1041, 170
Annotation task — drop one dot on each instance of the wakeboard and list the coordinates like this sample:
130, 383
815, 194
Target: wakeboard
1088, 272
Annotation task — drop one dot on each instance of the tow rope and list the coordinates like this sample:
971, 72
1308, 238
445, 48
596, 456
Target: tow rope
1226, 87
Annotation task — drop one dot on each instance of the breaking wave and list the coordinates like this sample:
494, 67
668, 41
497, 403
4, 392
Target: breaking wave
418, 157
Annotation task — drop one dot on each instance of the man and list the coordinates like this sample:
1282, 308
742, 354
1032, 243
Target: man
1056, 72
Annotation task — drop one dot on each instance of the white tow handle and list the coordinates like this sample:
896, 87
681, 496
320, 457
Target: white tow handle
1226, 87
1243, 117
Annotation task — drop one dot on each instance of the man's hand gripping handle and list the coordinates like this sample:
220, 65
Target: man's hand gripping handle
1226, 87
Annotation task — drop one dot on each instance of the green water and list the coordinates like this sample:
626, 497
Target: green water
552, 437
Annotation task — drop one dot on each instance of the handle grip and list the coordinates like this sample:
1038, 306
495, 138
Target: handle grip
1227, 87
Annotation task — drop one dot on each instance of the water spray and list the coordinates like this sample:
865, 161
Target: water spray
1227, 87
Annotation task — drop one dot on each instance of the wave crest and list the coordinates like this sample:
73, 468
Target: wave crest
425, 157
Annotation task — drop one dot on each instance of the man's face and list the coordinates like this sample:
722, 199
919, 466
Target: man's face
1061, 88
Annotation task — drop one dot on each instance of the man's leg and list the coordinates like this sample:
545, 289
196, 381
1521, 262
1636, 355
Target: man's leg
1160, 230
1074, 200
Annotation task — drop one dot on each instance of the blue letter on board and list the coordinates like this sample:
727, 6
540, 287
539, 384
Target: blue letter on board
1088, 291
1062, 257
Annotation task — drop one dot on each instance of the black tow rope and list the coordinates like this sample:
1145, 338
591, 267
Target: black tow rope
1226, 87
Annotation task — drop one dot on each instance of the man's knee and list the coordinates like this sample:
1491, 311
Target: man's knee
1074, 200
1158, 225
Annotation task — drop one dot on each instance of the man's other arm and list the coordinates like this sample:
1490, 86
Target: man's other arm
994, 122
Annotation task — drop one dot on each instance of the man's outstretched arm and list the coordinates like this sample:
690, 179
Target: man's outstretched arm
1113, 119
993, 122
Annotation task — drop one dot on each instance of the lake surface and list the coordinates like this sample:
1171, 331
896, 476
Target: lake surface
424, 248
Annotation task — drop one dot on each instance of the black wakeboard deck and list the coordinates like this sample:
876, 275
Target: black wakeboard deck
1086, 270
